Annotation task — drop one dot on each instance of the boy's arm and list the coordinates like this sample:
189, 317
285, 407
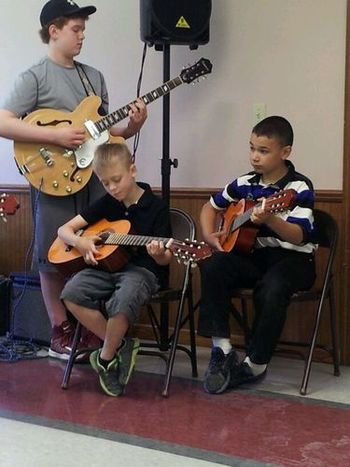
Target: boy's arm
159, 253
85, 245
137, 117
208, 221
287, 231
12, 127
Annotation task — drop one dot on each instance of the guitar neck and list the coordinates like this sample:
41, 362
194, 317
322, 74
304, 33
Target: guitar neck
117, 116
131, 240
242, 219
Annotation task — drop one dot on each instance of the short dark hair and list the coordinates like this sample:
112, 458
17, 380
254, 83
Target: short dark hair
275, 127
59, 23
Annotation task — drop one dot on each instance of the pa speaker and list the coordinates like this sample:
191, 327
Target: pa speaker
4, 304
178, 22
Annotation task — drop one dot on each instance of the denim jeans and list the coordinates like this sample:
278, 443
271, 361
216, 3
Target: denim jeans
273, 273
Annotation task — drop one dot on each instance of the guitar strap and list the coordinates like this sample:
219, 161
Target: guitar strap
85, 80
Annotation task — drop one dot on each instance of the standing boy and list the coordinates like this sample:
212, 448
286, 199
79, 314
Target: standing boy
126, 290
59, 82
280, 264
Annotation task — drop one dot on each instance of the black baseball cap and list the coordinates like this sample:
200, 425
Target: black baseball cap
56, 8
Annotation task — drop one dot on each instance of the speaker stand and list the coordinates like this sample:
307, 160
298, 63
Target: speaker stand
165, 172
166, 161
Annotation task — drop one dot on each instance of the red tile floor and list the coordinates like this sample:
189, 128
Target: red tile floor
246, 427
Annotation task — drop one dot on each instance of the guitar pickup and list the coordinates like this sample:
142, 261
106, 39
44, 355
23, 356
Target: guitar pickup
92, 129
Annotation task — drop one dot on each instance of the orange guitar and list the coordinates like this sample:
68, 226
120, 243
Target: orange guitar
69, 260
8, 205
240, 233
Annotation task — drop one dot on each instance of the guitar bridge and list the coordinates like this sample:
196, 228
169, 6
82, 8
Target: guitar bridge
45, 154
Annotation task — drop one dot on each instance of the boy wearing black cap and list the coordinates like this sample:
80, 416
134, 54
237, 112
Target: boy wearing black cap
57, 81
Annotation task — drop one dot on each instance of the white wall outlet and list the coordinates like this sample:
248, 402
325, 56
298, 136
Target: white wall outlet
259, 110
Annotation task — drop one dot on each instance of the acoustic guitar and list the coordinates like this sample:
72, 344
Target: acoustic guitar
60, 171
240, 232
111, 257
8, 205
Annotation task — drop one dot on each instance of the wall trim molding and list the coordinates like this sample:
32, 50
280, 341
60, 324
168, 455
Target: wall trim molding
324, 196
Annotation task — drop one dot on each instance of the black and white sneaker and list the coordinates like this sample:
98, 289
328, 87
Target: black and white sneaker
242, 374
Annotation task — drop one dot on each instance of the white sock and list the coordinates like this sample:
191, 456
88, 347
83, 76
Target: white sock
222, 342
255, 367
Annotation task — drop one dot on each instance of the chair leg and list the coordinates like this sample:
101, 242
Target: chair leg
173, 347
70, 362
306, 376
335, 348
192, 331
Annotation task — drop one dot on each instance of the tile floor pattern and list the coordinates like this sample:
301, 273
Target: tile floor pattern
270, 424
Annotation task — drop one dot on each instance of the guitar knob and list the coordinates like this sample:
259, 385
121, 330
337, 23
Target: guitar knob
68, 189
65, 173
79, 179
55, 184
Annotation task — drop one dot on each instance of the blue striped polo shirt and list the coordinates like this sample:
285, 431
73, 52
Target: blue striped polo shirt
250, 187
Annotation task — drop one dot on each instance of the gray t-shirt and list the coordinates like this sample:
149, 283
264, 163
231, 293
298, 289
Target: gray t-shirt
49, 85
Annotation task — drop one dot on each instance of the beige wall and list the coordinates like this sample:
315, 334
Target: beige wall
287, 54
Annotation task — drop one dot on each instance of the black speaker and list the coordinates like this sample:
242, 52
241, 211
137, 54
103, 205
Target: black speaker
28, 315
178, 22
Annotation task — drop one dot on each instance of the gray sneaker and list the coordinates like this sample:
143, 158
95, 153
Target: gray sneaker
127, 358
109, 377
218, 374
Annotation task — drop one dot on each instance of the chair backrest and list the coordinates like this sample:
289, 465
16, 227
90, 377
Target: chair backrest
326, 229
182, 225
326, 236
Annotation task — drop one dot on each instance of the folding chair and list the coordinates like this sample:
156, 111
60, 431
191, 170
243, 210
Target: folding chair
183, 227
326, 237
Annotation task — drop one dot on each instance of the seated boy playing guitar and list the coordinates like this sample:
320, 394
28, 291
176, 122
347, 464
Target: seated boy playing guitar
277, 261
127, 289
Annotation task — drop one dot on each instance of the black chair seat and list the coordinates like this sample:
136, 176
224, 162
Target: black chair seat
326, 237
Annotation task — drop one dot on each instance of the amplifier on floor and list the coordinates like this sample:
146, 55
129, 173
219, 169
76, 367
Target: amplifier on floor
28, 315
4, 305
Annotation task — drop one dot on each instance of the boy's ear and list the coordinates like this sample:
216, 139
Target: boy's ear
133, 170
286, 150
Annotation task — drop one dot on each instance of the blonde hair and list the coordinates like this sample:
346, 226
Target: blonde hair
107, 153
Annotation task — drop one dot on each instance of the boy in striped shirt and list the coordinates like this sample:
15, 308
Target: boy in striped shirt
280, 263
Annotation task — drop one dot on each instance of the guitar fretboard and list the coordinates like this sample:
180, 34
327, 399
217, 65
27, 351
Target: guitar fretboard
115, 117
132, 240
240, 220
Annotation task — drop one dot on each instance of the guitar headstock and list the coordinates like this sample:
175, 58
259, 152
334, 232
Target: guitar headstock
190, 251
8, 205
280, 201
193, 72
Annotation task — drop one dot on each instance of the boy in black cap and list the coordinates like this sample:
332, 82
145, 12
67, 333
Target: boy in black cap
57, 81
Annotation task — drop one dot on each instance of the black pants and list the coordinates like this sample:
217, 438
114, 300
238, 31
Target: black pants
274, 273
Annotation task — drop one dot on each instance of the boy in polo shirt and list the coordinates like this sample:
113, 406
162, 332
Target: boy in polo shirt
280, 264
126, 290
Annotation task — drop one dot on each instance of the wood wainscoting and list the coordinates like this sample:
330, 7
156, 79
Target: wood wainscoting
16, 240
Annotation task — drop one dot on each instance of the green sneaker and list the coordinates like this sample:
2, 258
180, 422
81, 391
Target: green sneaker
127, 358
109, 378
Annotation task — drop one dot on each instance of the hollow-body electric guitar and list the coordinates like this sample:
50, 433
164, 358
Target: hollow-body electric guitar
69, 260
239, 232
61, 172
